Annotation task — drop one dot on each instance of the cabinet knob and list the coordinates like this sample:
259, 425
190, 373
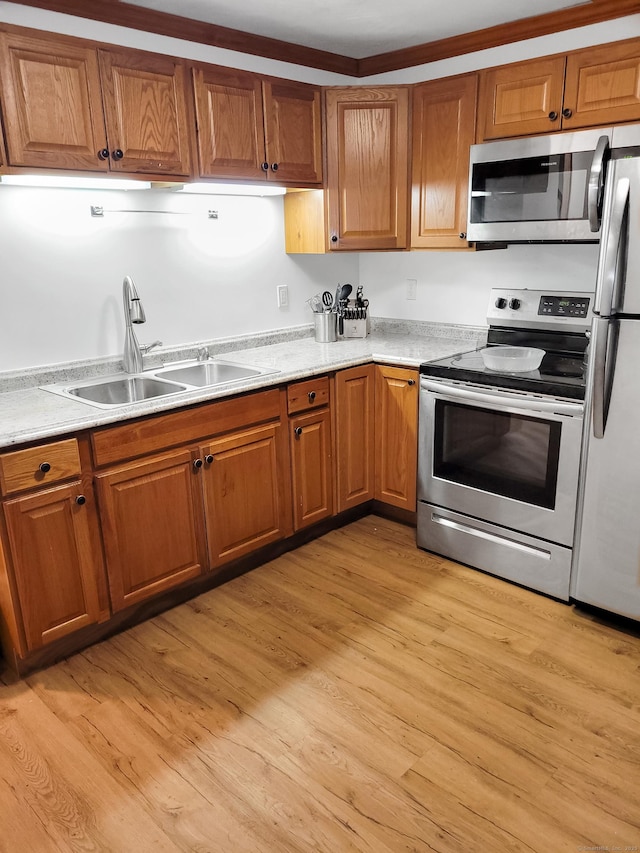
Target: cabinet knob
463, 235
312, 396
265, 167
197, 464
334, 239
103, 154
274, 167
118, 154
553, 115
411, 382
81, 500
567, 113
208, 458
297, 432
45, 467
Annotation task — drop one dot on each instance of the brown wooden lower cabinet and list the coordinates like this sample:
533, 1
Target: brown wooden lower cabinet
152, 524
354, 446
245, 507
55, 565
396, 423
311, 462
309, 408
168, 516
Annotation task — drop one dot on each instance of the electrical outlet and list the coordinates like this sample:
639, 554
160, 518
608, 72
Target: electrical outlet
283, 296
412, 288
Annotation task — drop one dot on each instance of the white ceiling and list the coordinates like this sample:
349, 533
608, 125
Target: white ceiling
357, 28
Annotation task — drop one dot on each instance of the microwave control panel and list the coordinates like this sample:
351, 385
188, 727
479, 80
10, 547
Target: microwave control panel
564, 306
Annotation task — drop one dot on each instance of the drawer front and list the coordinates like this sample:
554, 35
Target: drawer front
39, 466
310, 394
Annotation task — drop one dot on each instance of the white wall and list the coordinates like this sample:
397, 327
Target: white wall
61, 270
453, 287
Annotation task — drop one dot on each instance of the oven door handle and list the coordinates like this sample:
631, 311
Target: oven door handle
529, 404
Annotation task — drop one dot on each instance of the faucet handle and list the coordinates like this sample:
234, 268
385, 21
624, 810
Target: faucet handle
203, 354
145, 348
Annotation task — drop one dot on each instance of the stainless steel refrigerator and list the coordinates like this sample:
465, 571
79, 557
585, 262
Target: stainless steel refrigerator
606, 569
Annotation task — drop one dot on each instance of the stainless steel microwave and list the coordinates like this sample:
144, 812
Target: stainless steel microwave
539, 188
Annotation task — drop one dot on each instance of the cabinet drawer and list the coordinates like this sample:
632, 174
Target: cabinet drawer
310, 394
39, 466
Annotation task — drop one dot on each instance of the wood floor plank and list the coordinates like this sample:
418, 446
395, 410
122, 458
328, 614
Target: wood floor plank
356, 695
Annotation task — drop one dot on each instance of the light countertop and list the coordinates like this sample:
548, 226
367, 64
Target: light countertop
33, 414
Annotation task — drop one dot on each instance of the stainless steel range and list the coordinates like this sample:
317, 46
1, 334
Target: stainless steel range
499, 452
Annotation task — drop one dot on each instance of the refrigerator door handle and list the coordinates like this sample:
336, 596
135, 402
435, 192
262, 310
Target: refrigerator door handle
604, 341
596, 183
610, 251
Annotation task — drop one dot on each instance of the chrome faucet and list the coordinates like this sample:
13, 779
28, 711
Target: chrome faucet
133, 313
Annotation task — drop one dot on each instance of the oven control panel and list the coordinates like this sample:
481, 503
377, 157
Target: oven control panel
564, 306
521, 308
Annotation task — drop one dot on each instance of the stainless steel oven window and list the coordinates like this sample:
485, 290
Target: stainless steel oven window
505, 453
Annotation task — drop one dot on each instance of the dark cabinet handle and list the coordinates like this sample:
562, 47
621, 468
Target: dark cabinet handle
118, 154
463, 235
197, 464
103, 154
81, 500
274, 167
334, 239
553, 115
312, 396
298, 432
208, 458
567, 113
411, 382
45, 467
265, 167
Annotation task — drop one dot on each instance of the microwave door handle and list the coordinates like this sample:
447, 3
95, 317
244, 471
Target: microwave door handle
608, 266
596, 183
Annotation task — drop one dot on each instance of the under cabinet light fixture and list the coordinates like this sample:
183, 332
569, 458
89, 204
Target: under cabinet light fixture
71, 182
231, 189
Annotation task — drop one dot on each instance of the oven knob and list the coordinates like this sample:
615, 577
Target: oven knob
501, 303
514, 304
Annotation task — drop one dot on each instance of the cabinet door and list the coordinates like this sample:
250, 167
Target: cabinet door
293, 133
367, 167
146, 109
55, 567
311, 461
396, 436
152, 522
520, 99
444, 124
230, 124
602, 85
354, 450
244, 506
52, 103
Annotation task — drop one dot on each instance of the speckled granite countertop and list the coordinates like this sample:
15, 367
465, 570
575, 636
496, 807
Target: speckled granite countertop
30, 413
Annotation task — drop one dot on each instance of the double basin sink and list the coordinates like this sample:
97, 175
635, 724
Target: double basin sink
174, 379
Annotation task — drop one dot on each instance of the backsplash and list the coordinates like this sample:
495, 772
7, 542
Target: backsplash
203, 279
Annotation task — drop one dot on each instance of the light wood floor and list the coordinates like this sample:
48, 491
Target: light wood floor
355, 695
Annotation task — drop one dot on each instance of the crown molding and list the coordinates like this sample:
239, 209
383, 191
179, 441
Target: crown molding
162, 23
593, 12
149, 20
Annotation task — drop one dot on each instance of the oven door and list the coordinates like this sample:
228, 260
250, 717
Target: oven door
506, 458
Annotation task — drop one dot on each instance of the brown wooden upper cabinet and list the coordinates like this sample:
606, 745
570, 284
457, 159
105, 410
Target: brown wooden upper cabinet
69, 106
590, 87
367, 167
444, 123
255, 128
